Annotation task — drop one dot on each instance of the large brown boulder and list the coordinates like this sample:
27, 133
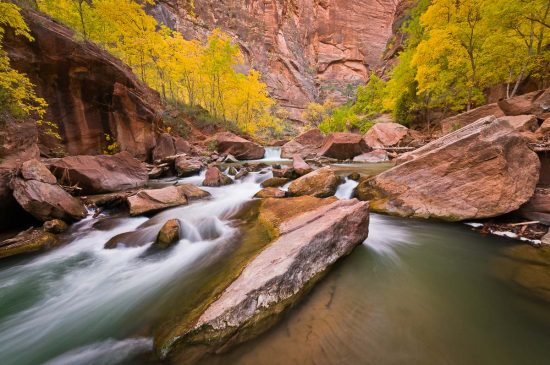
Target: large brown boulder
483, 170
90, 93
214, 177
38, 193
168, 145
306, 144
518, 105
153, 200
343, 146
231, 144
390, 134
100, 174
307, 236
321, 183
187, 166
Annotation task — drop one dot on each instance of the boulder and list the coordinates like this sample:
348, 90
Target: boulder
187, 166
321, 183
168, 234
274, 182
300, 166
33, 240
375, 156
270, 193
483, 170
36, 170
148, 201
242, 173
388, 135
167, 146
306, 144
518, 105
100, 174
343, 146
214, 177
522, 123
181, 145
308, 236
164, 147
229, 143
41, 197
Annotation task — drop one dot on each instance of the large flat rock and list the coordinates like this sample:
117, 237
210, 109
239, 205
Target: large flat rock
483, 170
305, 244
100, 174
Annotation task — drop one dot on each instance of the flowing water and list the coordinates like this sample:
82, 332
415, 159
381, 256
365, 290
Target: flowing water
415, 292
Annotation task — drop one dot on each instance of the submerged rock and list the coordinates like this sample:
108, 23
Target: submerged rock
214, 177
321, 183
229, 143
100, 174
483, 170
305, 244
168, 234
274, 182
55, 226
525, 268
33, 240
343, 146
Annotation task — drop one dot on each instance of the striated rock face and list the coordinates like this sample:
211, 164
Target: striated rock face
483, 170
90, 93
306, 49
305, 245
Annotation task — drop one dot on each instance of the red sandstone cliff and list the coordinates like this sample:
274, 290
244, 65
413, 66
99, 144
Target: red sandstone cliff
307, 50
90, 93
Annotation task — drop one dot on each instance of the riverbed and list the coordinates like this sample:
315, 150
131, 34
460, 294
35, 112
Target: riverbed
415, 292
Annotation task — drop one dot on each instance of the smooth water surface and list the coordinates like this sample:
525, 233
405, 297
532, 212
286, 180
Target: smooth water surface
415, 292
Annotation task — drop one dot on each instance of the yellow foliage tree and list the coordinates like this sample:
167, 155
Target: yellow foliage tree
182, 71
17, 94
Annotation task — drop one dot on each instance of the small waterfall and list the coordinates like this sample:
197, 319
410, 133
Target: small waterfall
345, 190
273, 154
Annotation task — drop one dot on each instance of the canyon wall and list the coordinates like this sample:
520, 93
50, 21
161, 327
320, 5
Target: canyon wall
307, 50
90, 93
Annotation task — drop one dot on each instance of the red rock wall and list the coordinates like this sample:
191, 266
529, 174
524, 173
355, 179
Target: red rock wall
90, 93
307, 50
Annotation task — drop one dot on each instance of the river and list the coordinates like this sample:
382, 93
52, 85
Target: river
415, 292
